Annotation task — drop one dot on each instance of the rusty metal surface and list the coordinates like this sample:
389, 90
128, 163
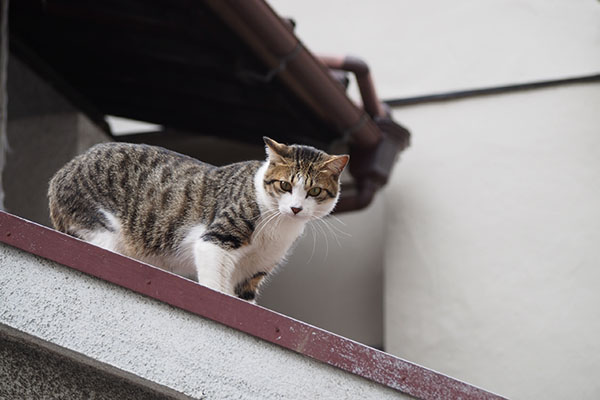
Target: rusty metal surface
286, 332
272, 40
364, 80
371, 168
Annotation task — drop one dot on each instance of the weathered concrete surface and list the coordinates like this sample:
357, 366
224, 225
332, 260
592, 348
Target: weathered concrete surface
33, 369
158, 342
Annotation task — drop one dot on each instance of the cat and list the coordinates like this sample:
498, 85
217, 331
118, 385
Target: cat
225, 227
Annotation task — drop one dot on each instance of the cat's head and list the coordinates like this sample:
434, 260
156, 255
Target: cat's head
301, 181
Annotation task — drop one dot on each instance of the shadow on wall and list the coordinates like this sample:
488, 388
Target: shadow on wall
44, 132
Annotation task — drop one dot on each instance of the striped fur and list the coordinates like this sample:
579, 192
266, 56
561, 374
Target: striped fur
227, 227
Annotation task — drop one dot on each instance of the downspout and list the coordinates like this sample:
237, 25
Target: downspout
370, 167
361, 72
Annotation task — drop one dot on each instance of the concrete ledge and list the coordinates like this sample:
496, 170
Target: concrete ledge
31, 368
190, 348
158, 342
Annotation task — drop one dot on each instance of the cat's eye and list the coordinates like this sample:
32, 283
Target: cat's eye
315, 191
285, 186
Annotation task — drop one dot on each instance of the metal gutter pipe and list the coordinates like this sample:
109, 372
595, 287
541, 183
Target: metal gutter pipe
273, 41
374, 138
369, 167
360, 69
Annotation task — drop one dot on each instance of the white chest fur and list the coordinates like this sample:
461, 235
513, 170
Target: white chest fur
270, 243
273, 236
268, 247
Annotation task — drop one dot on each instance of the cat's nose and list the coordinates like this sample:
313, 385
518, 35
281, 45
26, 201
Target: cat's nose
296, 210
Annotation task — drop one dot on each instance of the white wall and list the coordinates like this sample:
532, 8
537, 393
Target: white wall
493, 224
418, 47
492, 255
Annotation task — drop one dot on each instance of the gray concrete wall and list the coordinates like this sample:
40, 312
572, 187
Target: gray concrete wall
44, 132
34, 369
159, 343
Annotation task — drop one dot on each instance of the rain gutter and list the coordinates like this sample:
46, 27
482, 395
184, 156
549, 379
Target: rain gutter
371, 168
375, 139
360, 69
272, 39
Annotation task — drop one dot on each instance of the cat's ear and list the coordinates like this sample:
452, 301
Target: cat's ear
275, 151
336, 164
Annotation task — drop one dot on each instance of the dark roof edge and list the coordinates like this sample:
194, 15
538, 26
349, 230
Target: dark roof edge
375, 139
53, 79
257, 321
272, 39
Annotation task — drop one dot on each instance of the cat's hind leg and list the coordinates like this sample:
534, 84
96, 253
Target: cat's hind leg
107, 235
102, 238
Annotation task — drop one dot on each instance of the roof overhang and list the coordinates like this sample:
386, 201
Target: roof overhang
217, 67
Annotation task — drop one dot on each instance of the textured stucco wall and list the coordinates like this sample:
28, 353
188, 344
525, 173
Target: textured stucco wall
157, 342
492, 258
33, 369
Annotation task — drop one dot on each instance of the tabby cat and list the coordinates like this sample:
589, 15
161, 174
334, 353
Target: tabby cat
225, 227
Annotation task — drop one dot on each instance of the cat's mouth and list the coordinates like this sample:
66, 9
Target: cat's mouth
296, 216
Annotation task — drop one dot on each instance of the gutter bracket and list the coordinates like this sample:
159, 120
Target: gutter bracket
347, 133
247, 75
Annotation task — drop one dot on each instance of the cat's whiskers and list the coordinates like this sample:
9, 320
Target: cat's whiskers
332, 226
337, 219
328, 229
314, 235
335, 236
275, 218
272, 215
250, 219
262, 222
326, 239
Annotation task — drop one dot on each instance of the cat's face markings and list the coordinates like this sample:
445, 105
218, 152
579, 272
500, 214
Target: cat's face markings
302, 181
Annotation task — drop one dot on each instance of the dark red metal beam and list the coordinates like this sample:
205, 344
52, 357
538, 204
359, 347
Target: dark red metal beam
271, 39
286, 332
364, 80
